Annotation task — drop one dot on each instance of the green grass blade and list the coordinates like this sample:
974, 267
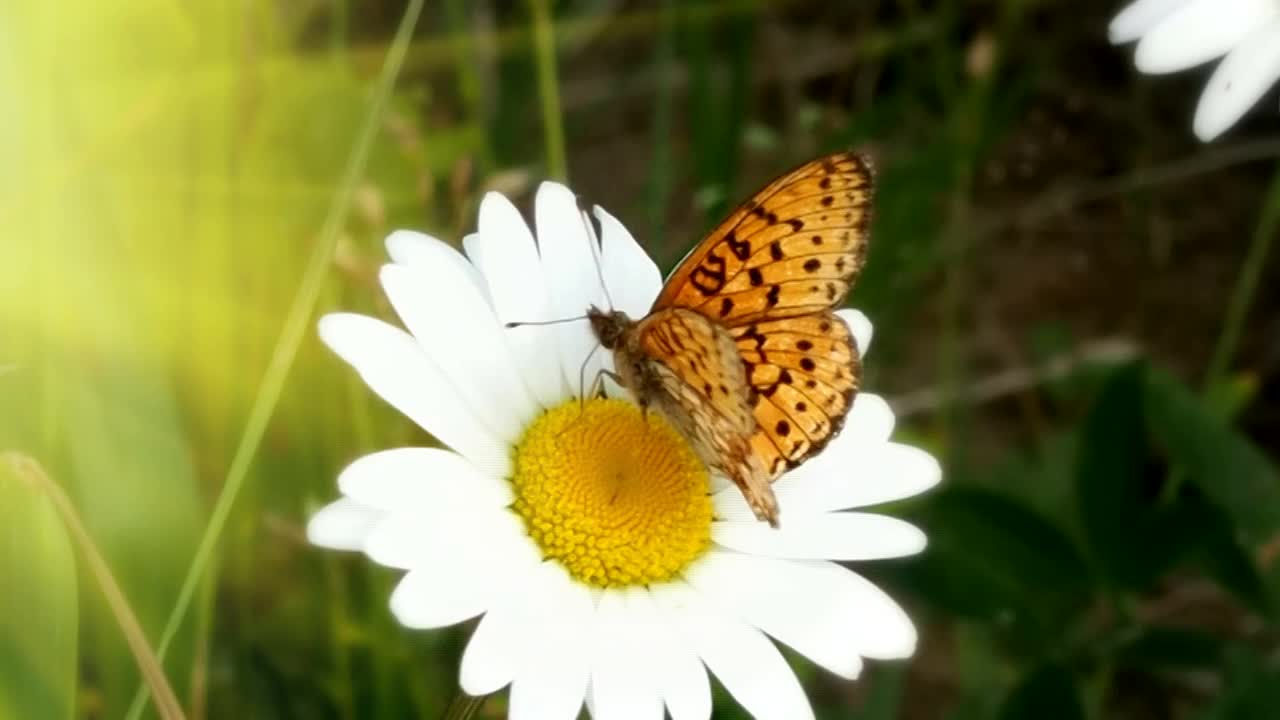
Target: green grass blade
544, 50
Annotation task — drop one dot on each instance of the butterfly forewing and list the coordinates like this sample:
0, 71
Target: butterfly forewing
792, 249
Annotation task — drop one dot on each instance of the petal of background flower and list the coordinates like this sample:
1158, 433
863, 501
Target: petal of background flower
858, 476
342, 525
456, 327
807, 606
1199, 32
411, 478
675, 668
505, 252
395, 367
573, 279
551, 679
861, 328
1137, 19
623, 685
631, 276
748, 665
420, 250
1239, 82
829, 536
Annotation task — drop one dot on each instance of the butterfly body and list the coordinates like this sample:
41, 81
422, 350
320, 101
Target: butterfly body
742, 350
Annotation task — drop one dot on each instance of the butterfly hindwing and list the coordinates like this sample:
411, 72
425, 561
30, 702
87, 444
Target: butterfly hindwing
804, 373
704, 372
692, 372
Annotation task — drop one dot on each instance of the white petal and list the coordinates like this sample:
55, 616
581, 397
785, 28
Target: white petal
428, 599
623, 686
886, 633
869, 420
409, 478
457, 328
489, 661
507, 632
857, 475
573, 279
796, 603
1239, 82
825, 612
828, 536
419, 250
748, 665
421, 538
631, 276
1138, 18
861, 328
342, 525
678, 673
551, 679
1200, 32
395, 367
507, 256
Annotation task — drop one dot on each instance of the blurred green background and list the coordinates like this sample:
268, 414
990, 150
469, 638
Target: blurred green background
1072, 298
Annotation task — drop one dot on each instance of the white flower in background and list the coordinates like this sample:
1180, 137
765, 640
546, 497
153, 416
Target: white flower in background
1175, 35
608, 567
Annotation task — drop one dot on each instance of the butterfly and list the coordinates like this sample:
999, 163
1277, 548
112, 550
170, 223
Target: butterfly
742, 350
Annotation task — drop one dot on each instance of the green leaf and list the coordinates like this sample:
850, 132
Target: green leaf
1114, 513
994, 559
1221, 462
1047, 693
1219, 551
39, 614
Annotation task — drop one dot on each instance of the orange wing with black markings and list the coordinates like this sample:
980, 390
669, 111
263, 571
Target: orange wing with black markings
742, 349
804, 372
771, 274
792, 249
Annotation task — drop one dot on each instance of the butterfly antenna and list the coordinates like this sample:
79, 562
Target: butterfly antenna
597, 253
520, 323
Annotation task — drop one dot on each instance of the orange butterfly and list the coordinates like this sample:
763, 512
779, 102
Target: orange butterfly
742, 351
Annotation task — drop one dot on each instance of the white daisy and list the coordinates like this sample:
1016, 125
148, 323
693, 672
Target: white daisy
1175, 35
608, 567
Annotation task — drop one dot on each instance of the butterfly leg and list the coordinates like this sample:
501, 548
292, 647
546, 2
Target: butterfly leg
597, 384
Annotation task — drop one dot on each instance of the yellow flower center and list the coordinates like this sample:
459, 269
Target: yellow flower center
618, 497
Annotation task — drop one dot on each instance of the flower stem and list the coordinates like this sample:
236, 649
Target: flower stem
1246, 284
464, 706
544, 52
291, 335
